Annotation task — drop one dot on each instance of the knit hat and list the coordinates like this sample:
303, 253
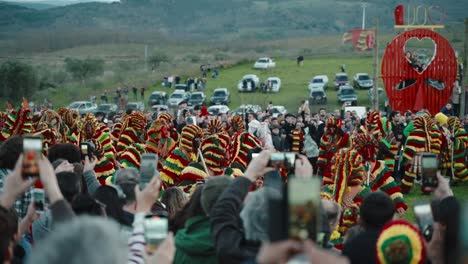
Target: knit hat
400, 242
212, 189
214, 127
204, 111
214, 153
189, 134
244, 143
166, 117
334, 121
441, 119
236, 124
366, 145
454, 123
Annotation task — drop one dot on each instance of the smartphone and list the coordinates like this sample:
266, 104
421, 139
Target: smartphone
148, 167
423, 213
84, 147
38, 196
284, 160
32, 151
156, 228
429, 162
303, 196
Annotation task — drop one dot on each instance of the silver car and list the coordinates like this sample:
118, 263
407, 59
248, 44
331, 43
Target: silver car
83, 107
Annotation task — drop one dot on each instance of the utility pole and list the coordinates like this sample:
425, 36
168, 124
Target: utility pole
376, 65
364, 5
464, 80
146, 58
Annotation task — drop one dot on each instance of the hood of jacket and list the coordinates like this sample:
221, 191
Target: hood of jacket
195, 238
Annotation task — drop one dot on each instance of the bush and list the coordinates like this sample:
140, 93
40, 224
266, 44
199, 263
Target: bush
157, 58
84, 69
220, 56
194, 58
17, 80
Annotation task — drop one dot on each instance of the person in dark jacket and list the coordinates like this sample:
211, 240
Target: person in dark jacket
227, 229
376, 210
276, 138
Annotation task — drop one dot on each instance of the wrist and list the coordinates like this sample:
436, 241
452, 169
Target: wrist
6, 200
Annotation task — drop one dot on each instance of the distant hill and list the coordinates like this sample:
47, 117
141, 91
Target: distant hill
196, 20
32, 5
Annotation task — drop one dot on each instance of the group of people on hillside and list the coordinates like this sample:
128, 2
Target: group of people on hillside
213, 191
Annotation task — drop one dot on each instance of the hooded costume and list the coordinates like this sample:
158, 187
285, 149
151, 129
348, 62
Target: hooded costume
331, 143
460, 149
425, 137
183, 155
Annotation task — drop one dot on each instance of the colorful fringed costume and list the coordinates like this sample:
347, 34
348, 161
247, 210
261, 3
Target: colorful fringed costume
92, 131
356, 174
331, 142
425, 137
244, 143
17, 122
381, 128
130, 145
159, 140
183, 155
215, 152
460, 149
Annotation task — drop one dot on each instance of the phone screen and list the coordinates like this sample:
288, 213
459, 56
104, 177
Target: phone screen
429, 171
148, 168
424, 219
32, 150
39, 200
84, 149
282, 160
304, 208
156, 229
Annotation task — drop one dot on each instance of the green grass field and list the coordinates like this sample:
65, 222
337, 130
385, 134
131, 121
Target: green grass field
294, 80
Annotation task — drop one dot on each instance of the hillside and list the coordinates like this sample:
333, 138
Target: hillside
139, 21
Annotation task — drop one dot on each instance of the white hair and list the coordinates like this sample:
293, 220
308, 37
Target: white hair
82, 240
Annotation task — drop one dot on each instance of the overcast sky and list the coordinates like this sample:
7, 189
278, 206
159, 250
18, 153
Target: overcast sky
63, 1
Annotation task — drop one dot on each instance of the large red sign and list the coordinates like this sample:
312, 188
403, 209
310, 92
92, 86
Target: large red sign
412, 85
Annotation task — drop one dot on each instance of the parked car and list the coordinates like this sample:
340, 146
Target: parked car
246, 109
220, 96
346, 93
83, 107
106, 108
264, 63
362, 81
248, 83
382, 95
160, 108
177, 96
318, 82
317, 96
182, 86
157, 98
218, 109
341, 78
277, 110
197, 98
138, 106
275, 84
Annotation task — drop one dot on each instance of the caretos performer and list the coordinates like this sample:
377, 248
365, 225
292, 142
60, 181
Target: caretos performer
357, 173
460, 149
214, 161
183, 155
425, 137
331, 142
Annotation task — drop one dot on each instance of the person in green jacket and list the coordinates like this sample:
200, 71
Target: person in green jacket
194, 244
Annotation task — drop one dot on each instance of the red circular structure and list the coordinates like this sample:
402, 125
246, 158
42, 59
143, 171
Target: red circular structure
413, 88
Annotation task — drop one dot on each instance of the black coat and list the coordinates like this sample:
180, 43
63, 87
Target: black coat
227, 230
